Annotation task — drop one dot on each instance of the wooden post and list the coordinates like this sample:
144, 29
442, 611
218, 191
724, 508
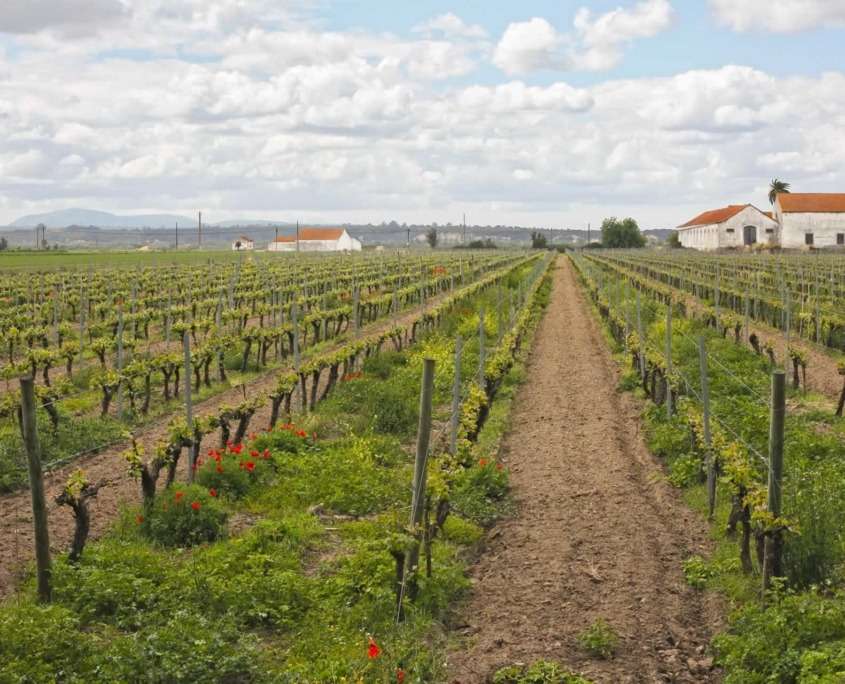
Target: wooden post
641, 337
708, 446
718, 297
773, 547
420, 463
294, 312
355, 317
29, 432
120, 363
456, 398
669, 360
747, 323
481, 350
189, 408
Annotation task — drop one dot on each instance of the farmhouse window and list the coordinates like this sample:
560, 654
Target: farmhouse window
840, 238
808, 238
770, 230
730, 230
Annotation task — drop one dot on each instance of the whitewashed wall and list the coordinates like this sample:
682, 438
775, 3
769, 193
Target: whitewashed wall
824, 228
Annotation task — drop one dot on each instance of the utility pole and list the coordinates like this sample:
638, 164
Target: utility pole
276, 239
177, 234
199, 230
408, 238
588, 234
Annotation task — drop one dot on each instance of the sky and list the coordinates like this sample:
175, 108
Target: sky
537, 113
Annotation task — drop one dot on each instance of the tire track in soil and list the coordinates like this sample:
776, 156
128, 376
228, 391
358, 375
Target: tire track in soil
598, 532
16, 532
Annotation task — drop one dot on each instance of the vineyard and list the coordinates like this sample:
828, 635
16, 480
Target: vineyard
700, 337
498, 466
258, 417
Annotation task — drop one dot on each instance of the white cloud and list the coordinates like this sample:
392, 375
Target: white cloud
528, 46
783, 16
449, 25
601, 39
596, 44
287, 121
78, 17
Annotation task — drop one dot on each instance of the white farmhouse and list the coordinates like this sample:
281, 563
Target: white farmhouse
317, 240
243, 243
736, 225
811, 219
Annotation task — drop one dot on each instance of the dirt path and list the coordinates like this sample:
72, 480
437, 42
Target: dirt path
598, 533
16, 533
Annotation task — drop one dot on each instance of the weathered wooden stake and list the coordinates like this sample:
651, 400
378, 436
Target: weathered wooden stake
29, 432
189, 408
708, 445
773, 547
481, 350
669, 360
420, 463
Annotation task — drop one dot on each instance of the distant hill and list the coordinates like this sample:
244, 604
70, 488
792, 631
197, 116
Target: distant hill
101, 219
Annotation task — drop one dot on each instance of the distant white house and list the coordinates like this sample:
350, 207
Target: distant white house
243, 243
811, 219
736, 225
317, 240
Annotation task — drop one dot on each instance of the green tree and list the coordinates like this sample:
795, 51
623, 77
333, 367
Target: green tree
4, 244
431, 237
674, 240
776, 187
538, 240
621, 234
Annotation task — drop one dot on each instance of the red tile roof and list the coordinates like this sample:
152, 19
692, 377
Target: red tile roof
812, 202
307, 234
715, 216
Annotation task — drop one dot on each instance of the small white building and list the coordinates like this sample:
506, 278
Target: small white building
242, 244
811, 219
737, 225
317, 240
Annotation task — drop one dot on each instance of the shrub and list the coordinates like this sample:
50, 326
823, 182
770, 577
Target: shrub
541, 672
184, 516
479, 493
232, 471
599, 640
774, 642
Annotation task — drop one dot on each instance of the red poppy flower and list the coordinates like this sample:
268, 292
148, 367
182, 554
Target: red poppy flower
266, 454
302, 433
212, 492
179, 496
139, 519
373, 651
238, 448
253, 453
250, 466
196, 505
482, 462
499, 466
400, 675
219, 469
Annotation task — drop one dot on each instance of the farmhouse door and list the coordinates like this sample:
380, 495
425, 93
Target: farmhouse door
749, 234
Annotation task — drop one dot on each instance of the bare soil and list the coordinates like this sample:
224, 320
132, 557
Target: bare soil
599, 533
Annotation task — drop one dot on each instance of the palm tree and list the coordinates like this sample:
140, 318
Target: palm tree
775, 188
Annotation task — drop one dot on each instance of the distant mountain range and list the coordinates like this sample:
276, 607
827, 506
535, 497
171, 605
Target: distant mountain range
104, 219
